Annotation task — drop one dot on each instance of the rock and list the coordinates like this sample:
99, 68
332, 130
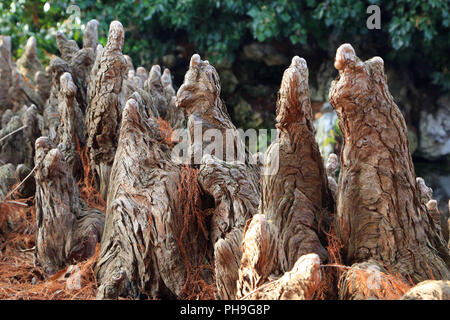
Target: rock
434, 131
228, 81
429, 290
264, 52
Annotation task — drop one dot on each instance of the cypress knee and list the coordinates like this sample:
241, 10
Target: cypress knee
379, 212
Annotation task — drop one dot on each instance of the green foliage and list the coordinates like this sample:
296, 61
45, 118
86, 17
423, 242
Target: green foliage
411, 30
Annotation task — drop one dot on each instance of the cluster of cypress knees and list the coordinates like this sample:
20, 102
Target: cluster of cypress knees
265, 235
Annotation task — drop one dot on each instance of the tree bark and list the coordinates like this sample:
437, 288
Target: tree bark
30, 134
5, 72
429, 290
149, 243
90, 35
51, 114
199, 96
175, 115
11, 147
259, 260
29, 63
227, 259
68, 231
295, 192
104, 111
154, 87
379, 213
234, 185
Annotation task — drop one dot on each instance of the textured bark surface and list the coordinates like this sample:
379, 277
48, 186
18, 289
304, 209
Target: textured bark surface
68, 230
295, 197
11, 147
5, 72
234, 185
199, 96
67, 48
90, 35
7, 179
67, 108
145, 231
29, 63
331, 167
104, 111
175, 115
155, 88
260, 248
236, 196
30, 134
23, 92
300, 283
51, 114
227, 259
379, 213
429, 290
259, 259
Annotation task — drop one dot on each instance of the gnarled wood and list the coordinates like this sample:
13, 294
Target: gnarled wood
7, 179
67, 108
259, 260
331, 167
429, 290
260, 248
300, 283
227, 259
145, 230
296, 195
29, 63
379, 213
68, 230
90, 35
11, 150
155, 88
30, 134
235, 195
175, 115
104, 111
51, 114
199, 96
5, 72
66, 47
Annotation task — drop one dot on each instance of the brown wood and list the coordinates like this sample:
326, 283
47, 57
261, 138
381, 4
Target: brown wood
295, 197
379, 213
68, 231
148, 239
104, 111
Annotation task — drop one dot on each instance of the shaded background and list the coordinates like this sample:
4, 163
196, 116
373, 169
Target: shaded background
251, 43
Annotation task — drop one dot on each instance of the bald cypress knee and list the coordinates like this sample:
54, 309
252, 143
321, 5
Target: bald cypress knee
104, 111
379, 211
295, 194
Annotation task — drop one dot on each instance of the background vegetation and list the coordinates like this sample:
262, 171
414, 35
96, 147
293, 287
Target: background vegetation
412, 32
